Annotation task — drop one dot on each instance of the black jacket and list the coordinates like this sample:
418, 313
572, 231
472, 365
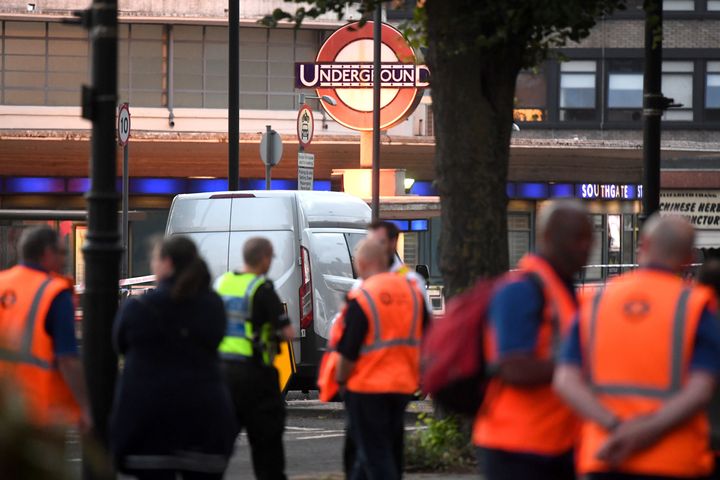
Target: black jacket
171, 398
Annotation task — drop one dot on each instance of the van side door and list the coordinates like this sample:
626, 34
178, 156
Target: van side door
332, 276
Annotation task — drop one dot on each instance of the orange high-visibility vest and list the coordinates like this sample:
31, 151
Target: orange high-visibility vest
389, 359
327, 384
637, 338
534, 419
27, 361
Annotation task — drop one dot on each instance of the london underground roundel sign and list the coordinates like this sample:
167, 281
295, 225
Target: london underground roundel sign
343, 70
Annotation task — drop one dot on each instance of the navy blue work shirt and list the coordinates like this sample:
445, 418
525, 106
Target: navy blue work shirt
516, 315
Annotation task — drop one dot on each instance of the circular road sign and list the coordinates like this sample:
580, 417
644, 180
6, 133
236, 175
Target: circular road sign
350, 50
123, 125
271, 156
305, 125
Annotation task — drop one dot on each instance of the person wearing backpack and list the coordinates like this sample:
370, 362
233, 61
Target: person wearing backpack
523, 429
379, 361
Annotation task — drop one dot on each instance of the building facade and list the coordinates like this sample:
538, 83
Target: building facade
580, 121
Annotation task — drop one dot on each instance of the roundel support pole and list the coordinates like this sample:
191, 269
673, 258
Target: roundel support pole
376, 112
233, 94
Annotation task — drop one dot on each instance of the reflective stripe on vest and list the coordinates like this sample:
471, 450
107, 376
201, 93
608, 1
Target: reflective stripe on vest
676, 360
24, 354
378, 343
238, 292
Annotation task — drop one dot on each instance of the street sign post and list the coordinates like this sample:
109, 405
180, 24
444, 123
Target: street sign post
271, 149
305, 126
306, 168
123, 133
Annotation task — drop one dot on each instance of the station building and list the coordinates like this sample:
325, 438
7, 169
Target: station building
580, 123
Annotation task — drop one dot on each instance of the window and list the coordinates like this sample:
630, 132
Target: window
199, 66
518, 236
677, 83
678, 5
42, 63
267, 58
530, 97
577, 90
25, 63
713, 5
629, 239
142, 65
625, 91
353, 240
596, 251
712, 91
67, 63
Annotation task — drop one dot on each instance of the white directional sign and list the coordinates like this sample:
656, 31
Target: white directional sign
305, 126
306, 168
123, 126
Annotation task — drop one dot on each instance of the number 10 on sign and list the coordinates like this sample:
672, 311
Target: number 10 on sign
123, 127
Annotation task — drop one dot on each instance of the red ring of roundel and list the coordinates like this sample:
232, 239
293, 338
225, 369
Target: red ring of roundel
403, 103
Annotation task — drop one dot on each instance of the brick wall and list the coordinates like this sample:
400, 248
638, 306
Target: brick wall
630, 34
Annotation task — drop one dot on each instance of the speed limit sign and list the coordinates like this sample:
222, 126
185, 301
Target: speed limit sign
123, 126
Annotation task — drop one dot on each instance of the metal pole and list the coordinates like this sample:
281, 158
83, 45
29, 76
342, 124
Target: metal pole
269, 152
301, 102
102, 248
233, 94
376, 112
171, 77
125, 268
653, 105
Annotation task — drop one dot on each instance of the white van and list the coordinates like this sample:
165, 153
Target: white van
313, 236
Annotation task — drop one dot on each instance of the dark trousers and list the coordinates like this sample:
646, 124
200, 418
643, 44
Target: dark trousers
504, 465
377, 427
348, 453
172, 475
630, 476
260, 410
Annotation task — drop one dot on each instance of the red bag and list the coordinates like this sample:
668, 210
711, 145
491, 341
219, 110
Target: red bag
453, 366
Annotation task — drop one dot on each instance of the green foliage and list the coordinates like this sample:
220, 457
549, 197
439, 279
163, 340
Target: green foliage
526, 29
442, 445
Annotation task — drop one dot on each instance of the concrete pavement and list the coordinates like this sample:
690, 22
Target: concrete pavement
313, 408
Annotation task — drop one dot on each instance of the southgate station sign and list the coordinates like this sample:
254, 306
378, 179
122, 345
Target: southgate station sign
343, 70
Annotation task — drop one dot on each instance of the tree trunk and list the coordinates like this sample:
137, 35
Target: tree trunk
472, 106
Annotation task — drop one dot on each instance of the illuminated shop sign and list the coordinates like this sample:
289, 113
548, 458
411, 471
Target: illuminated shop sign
354, 75
343, 70
608, 191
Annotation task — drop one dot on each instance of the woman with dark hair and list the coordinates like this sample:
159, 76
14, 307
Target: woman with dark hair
172, 413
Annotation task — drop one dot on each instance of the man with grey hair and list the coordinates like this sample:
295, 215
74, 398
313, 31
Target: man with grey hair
39, 352
255, 316
640, 364
523, 429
